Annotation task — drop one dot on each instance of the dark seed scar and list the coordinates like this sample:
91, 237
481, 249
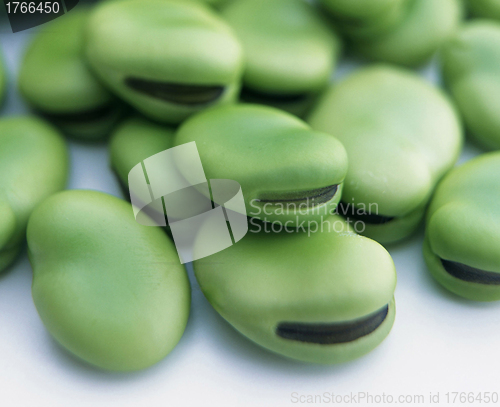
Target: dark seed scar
93, 115
310, 198
470, 274
330, 334
182, 94
252, 95
350, 211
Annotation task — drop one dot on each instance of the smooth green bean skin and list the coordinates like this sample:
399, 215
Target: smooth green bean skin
471, 71
109, 290
167, 58
428, 24
33, 166
287, 171
290, 51
462, 236
484, 8
366, 18
401, 135
55, 80
298, 294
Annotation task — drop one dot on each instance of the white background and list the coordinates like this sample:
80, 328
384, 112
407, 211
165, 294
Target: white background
439, 343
